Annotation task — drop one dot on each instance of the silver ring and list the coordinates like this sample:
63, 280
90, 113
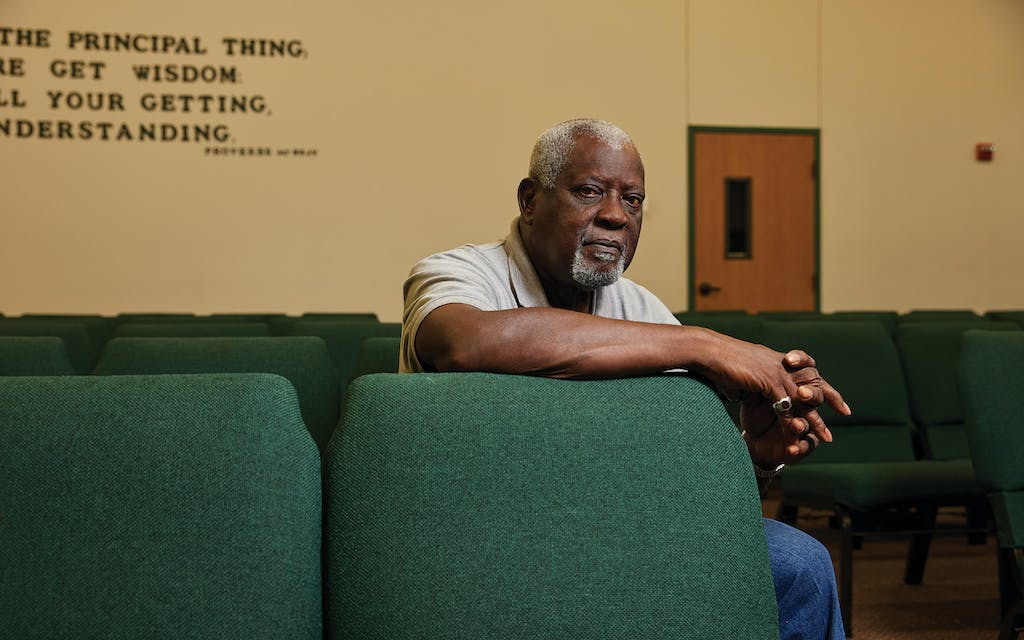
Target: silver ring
782, 405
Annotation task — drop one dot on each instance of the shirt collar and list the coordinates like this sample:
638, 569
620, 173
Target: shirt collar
522, 277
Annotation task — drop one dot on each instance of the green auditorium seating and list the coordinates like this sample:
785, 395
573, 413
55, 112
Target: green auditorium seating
930, 352
992, 381
340, 317
158, 507
344, 337
869, 476
99, 328
77, 341
939, 315
375, 355
487, 506
779, 316
737, 325
1008, 315
304, 361
191, 329
34, 356
153, 317
887, 318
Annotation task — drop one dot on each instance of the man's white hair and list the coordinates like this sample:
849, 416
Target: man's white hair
552, 149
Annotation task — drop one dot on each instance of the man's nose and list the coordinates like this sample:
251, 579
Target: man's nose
612, 213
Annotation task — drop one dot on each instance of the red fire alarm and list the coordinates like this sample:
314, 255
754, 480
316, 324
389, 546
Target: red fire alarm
983, 151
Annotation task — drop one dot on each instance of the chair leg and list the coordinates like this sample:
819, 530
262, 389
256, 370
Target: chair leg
917, 553
1011, 625
846, 571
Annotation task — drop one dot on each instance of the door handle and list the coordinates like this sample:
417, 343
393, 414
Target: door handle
706, 288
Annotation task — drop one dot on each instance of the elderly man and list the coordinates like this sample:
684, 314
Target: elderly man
553, 289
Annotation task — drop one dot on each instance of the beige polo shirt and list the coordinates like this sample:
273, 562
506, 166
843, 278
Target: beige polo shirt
499, 276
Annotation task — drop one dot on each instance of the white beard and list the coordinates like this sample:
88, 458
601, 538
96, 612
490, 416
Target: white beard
591, 278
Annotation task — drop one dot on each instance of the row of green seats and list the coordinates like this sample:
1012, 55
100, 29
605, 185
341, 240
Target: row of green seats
195, 506
319, 367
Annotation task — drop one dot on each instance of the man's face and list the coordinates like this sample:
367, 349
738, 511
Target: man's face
583, 233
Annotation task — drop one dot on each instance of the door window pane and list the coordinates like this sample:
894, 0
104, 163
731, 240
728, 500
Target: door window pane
737, 218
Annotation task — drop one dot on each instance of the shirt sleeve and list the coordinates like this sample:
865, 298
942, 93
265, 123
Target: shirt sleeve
462, 276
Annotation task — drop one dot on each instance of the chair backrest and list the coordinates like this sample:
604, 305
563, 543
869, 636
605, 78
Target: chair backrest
487, 506
157, 506
859, 359
930, 352
34, 356
100, 328
76, 339
737, 325
304, 361
1009, 315
888, 318
215, 329
344, 337
992, 382
154, 317
939, 315
376, 355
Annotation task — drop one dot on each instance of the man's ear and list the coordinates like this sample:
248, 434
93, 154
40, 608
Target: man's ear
527, 197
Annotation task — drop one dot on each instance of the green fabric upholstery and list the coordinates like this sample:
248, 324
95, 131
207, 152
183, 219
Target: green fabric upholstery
157, 507
191, 329
930, 352
76, 338
736, 325
344, 337
99, 328
1008, 509
154, 317
304, 361
340, 317
869, 485
786, 316
1016, 316
992, 383
859, 359
487, 506
376, 355
939, 315
34, 356
888, 319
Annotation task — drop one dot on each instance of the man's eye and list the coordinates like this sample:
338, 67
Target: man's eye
634, 201
588, 191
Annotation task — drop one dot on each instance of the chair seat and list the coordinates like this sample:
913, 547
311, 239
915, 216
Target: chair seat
866, 485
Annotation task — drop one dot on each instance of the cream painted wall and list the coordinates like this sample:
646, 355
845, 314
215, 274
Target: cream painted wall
423, 117
910, 219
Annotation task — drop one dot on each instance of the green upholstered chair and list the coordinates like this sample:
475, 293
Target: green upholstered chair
121, 318
786, 316
1007, 315
76, 339
158, 507
737, 325
992, 382
339, 316
304, 361
376, 355
939, 315
859, 359
343, 338
34, 356
887, 318
869, 477
930, 352
486, 506
191, 329
100, 328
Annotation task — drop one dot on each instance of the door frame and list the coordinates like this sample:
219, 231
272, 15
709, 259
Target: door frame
691, 138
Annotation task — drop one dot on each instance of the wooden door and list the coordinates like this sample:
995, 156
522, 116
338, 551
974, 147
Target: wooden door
754, 236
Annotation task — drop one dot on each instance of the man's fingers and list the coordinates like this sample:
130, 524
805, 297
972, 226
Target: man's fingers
797, 359
817, 426
834, 400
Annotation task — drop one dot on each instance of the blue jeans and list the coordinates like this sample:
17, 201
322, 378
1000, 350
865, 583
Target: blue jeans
805, 584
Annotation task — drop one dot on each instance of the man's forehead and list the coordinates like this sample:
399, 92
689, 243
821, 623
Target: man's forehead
592, 157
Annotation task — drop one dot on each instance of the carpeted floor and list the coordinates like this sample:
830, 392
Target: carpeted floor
958, 598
